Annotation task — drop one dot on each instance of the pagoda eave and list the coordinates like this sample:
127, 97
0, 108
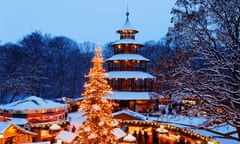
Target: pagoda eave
122, 31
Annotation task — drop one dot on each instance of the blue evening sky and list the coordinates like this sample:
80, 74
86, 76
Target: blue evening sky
83, 20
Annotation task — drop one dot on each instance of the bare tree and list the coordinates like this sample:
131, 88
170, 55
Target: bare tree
210, 29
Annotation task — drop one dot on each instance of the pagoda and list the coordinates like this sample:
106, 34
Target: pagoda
127, 72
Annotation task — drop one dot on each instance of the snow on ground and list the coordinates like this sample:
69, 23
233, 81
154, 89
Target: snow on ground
180, 119
234, 135
225, 128
227, 141
192, 123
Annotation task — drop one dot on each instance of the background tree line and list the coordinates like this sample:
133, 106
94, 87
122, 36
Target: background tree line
53, 66
44, 66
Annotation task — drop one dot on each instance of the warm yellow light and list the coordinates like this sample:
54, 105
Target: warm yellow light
211, 142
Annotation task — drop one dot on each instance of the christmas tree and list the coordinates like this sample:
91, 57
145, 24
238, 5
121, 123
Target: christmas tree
98, 126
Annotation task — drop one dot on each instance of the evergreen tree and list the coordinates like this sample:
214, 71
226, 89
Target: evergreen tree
98, 126
210, 30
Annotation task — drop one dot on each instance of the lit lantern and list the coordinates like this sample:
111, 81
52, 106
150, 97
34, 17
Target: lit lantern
1, 136
129, 139
59, 141
55, 127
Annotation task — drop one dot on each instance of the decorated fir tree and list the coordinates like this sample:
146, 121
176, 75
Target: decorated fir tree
98, 126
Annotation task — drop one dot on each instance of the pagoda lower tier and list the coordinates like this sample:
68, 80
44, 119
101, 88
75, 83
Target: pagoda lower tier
143, 102
131, 80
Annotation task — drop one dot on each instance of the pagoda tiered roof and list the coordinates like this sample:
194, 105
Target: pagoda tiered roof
130, 74
127, 26
127, 41
129, 95
127, 57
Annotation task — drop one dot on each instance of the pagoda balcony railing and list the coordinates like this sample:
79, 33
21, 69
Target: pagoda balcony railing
126, 51
132, 89
127, 69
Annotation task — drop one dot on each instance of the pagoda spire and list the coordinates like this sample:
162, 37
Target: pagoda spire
127, 13
127, 24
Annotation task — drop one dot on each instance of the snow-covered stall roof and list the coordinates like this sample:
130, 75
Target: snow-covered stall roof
44, 142
18, 121
76, 118
127, 57
32, 103
130, 113
128, 95
119, 133
66, 136
130, 74
129, 138
127, 41
5, 125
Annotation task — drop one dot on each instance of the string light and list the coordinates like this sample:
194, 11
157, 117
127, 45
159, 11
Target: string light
98, 126
169, 127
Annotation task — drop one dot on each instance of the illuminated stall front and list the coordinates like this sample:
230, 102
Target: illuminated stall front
48, 131
155, 132
35, 110
13, 134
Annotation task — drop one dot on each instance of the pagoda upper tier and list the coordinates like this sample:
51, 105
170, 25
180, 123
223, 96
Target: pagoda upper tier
127, 37
127, 68
127, 27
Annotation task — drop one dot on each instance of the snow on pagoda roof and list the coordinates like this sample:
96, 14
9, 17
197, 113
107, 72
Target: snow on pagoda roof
129, 95
127, 41
32, 103
127, 57
127, 25
130, 74
66, 136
